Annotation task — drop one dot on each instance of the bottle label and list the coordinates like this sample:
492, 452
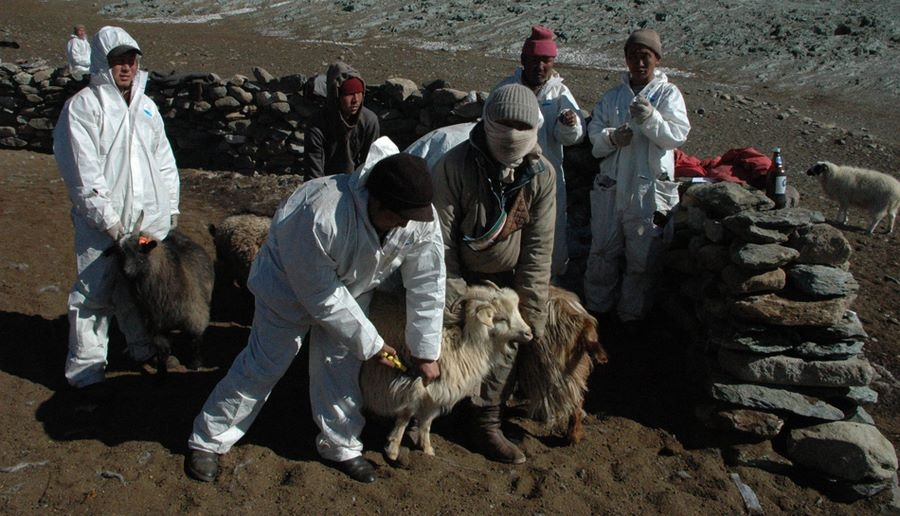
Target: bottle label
780, 185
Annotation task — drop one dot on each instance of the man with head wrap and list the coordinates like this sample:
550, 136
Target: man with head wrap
495, 195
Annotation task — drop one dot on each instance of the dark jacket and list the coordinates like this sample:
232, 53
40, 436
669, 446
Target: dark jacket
332, 144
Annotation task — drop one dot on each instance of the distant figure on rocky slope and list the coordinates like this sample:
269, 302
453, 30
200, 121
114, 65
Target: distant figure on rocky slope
339, 136
562, 121
78, 52
113, 155
635, 128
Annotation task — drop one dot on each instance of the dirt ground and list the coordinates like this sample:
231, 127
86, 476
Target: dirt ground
643, 452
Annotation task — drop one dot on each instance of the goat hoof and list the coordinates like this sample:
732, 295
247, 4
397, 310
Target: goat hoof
392, 452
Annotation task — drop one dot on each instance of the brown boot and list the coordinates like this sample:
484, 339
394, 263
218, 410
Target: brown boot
489, 440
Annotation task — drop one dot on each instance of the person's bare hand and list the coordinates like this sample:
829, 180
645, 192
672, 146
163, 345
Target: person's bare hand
383, 356
429, 370
568, 117
621, 137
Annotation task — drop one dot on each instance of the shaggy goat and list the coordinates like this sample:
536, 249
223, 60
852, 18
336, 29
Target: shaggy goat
477, 328
172, 283
553, 371
875, 191
238, 238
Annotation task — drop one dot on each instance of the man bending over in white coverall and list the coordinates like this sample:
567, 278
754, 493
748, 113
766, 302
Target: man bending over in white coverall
635, 128
331, 243
111, 149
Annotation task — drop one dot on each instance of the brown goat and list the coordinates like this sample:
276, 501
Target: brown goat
553, 371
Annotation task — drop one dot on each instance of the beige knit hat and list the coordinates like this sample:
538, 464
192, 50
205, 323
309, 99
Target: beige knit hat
513, 102
648, 38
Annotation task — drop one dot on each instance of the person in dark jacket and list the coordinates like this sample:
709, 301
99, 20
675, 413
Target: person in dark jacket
339, 136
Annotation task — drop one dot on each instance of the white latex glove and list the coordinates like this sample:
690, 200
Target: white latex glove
640, 109
173, 221
621, 137
116, 231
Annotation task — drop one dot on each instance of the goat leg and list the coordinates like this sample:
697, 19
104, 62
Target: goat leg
392, 447
196, 354
425, 432
575, 432
163, 350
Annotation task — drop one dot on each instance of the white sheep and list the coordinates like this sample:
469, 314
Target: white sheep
476, 328
238, 239
875, 191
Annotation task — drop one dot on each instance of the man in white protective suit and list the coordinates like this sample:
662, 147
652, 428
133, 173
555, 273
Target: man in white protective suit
635, 128
78, 52
113, 155
562, 125
330, 245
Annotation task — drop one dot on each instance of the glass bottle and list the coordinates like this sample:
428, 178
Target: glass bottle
776, 183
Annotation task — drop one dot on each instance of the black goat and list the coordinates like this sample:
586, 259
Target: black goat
172, 283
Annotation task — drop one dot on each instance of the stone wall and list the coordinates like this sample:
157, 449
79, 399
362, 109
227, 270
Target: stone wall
773, 337
244, 124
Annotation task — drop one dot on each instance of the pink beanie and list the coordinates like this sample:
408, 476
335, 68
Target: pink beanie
540, 43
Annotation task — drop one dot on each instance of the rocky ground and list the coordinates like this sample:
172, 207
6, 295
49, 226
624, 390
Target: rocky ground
821, 86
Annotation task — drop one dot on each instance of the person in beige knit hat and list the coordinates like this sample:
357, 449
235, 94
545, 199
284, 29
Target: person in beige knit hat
495, 195
635, 128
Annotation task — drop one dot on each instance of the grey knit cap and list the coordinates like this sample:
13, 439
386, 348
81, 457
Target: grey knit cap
513, 102
646, 37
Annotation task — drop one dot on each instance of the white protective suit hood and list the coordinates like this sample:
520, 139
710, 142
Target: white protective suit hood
105, 40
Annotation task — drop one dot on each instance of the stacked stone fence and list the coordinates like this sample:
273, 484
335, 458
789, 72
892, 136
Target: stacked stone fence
245, 124
763, 295
766, 297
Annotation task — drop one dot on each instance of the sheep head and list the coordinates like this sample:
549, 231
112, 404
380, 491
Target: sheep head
822, 167
572, 327
133, 253
497, 312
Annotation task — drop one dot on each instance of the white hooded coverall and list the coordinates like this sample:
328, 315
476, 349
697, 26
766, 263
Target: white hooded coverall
553, 98
317, 272
116, 163
634, 182
78, 54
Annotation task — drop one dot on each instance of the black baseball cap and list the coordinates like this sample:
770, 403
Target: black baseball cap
402, 183
122, 50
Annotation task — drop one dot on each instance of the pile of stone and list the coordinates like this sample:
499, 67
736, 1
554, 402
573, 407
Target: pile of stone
245, 124
774, 338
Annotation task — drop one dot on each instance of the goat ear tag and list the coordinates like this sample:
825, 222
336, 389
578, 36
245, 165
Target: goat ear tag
144, 240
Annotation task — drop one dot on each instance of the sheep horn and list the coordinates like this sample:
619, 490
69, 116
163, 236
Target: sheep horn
491, 284
136, 229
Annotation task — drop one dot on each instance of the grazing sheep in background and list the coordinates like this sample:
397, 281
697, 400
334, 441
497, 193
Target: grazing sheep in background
172, 283
476, 328
874, 191
553, 371
238, 238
